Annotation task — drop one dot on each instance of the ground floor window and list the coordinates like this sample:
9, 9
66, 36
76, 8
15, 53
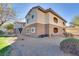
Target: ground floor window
55, 30
33, 30
64, 29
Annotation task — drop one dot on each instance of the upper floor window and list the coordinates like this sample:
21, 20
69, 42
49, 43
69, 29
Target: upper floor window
32, 16
55, 20
64, 29
63, 23
27, 21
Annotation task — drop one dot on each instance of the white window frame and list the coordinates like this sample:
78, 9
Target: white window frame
33, 28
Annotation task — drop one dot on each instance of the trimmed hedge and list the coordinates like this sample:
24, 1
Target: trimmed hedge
70, 45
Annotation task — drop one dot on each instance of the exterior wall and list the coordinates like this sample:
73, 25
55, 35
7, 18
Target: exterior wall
41, 16
24, 32
31, 21
51, 30
43, 29
51, 20
40, 29
47, 18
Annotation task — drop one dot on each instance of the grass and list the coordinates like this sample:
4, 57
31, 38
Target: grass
5, 51
5, 43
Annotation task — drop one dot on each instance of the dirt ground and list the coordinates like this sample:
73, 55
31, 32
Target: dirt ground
38, 47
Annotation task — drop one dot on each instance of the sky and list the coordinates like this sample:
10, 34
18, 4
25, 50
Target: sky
66, 10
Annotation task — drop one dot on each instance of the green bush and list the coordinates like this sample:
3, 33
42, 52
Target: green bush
10, 26
70, 40
70, 45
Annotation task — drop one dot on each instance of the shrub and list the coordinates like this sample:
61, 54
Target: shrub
9, 26
70, 45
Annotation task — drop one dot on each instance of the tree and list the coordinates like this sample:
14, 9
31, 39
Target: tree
10, 27
6, 13
76, 21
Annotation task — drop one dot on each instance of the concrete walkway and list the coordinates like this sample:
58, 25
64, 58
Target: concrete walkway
38, 47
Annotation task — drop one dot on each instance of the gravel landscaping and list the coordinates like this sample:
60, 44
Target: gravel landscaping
38, 47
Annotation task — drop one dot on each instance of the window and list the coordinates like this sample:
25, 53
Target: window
33, 30
64, 29
32, 16
27, 21
63, 23
55, 20
55, 30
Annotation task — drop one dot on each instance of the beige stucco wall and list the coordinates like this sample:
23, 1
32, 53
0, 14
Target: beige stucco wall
51, 21
24, 32
47, 18
43, 29
41, 17
39, 29
51, 30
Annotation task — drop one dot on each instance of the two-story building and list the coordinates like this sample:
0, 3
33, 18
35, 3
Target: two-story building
43, 22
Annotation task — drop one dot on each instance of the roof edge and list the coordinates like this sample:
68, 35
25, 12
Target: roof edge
47, 10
